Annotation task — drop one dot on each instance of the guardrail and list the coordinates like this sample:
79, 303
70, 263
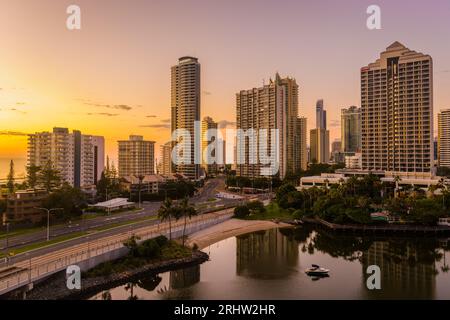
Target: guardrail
33, 270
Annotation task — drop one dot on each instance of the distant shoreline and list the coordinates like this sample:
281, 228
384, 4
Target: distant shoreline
19, 168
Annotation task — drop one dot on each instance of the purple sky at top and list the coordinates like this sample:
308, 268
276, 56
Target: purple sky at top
125, 49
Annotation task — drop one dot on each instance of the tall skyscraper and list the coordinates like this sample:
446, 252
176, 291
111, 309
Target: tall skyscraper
351, 129
99, 156
444, 138
78, 158
165, 161
185, 97
319, 145
136, 157
273, 106
301, 143
207, 124
397, 112
320, 137
321, 115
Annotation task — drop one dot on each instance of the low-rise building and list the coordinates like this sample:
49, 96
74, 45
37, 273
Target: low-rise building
385, 176
325, 179
114, 205
353, 161
148, 184
21, 206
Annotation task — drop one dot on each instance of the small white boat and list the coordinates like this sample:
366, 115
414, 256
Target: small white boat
317, 271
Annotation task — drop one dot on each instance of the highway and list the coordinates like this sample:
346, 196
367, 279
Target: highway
149, 209
37, 264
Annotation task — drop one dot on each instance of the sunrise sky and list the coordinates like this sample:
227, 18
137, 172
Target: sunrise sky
112, 77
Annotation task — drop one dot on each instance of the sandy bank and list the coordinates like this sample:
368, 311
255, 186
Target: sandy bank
228, 229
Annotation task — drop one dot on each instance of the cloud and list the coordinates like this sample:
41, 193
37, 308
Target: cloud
18, 111
335, 123
103, 114
166, 120
206, 93
109, 106
156, 126
445, 71
226, 123
13, 133
20, 103
151, 116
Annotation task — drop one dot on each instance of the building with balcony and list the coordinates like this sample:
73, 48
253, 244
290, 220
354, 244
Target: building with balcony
397, 112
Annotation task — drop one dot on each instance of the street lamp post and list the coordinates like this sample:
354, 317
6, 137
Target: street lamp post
7, 236
48, 218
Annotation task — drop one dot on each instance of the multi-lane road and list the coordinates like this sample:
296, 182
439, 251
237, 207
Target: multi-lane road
141, 217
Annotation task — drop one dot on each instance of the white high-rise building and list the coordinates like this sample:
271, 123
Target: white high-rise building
319, 138
136, 157
321, 115
397, 112
273, 106
444, 138
165, 159
351, 130
78, 158
209, 124
185, 101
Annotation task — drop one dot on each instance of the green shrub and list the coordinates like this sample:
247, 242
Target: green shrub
241, 212
149, 249
161, 240
256, 207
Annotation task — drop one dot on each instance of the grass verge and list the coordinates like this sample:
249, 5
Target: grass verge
273, 211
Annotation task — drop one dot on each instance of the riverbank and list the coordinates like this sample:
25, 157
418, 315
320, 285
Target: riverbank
228, 229
380, 229
55, 288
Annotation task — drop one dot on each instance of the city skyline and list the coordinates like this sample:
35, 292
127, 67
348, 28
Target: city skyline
38, 94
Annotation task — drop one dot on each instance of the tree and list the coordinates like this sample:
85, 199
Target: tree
102, 185
187, 211
10, 182
49, 178
256, 207
397, 179
2, 206
165, 212
352, 182
72, 200
32, 175
241, 212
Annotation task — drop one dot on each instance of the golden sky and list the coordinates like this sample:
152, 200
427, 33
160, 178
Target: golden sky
112, 77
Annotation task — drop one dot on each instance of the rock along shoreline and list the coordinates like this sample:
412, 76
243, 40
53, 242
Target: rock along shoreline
55, 287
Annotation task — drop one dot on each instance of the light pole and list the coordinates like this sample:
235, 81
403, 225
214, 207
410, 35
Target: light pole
7, 236
48, 218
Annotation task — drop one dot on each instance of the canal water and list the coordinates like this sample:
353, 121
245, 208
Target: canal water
270, 265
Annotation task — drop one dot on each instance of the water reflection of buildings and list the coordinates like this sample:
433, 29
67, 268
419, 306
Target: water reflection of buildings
184, 278
266, 254
405, 272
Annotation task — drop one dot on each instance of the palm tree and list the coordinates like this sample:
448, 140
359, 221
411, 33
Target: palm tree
187, 211
326, 183
352, 182
432, 189
165, 212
